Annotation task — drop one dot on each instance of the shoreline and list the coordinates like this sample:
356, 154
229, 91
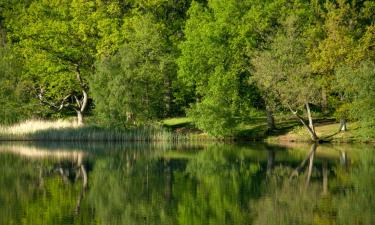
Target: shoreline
288, 131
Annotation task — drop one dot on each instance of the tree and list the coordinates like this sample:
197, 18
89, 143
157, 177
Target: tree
129, 85
283, 71
213, 65
59, 41
332, 50
340, 41
16, 104
359, 82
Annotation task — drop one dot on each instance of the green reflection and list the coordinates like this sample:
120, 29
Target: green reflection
36, 191
186, 185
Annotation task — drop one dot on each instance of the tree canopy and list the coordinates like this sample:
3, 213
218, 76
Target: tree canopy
219, 62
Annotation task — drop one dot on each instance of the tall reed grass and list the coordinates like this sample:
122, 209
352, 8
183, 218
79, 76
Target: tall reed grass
64, 130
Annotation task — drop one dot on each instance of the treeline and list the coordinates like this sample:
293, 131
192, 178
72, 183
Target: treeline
219, 62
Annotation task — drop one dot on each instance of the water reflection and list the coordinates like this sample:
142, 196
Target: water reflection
186, 184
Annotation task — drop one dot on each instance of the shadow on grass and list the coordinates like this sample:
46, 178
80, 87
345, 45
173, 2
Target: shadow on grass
260, 132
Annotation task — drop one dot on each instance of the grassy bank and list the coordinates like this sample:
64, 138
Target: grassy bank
326, 131
65, 130
178, 129
287, 130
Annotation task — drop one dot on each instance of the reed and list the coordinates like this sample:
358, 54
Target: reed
65, 130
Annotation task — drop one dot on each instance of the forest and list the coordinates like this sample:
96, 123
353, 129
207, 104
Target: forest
221, 63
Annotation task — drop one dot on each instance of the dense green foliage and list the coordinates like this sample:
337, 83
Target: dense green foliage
358, 84
128, 86
218, 62
15, 102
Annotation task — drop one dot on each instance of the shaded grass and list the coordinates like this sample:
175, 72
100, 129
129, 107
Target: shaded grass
257, 129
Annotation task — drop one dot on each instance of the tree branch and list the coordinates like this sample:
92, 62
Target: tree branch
56, 107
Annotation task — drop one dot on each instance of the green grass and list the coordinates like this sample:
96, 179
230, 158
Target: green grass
178, 130
179, 121
288, 130
326, 130
175, 130
67, 131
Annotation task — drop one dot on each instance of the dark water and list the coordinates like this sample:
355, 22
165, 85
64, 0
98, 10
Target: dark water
212, 184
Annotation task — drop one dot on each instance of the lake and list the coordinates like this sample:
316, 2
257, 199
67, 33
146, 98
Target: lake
186, 184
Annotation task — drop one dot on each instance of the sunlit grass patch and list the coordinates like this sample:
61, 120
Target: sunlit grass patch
32, 126
67, 130
176, 121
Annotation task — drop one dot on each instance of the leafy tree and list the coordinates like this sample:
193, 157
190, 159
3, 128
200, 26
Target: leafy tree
213, 65
284, 70
128, 86
358, 84
59, 41
340, 39
334, 49
16, 104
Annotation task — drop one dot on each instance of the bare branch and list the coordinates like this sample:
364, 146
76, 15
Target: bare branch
55, 106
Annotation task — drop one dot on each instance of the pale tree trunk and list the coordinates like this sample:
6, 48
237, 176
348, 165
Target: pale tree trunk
343, 126
310, 127
311, 123
79, 118
81, 103
270, 120
313, 135
81, 107
342, 120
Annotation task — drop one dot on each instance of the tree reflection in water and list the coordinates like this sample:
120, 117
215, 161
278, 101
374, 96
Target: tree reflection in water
219, 184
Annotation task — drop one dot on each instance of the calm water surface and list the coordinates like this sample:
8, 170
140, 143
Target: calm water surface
211, 184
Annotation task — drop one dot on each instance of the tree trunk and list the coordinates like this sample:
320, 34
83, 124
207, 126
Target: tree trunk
314, 137
343, 126
310, 126
311, 123
270, 120
81, 103
79, 118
